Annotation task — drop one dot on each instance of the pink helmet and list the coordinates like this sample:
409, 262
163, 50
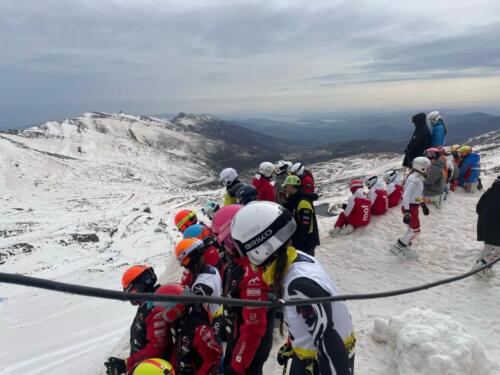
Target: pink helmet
221, 223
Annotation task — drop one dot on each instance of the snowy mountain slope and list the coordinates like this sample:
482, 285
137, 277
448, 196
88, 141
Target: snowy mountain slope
47, 199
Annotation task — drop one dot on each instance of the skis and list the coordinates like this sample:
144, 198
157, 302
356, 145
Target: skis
487, 273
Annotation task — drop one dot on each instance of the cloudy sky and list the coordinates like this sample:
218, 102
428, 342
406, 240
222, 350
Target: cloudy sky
64, 57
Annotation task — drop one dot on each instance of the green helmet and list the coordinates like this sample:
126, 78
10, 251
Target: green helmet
292, 180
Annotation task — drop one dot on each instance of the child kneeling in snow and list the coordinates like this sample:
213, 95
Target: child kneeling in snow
378, 195
412, 200
356, 211
394, 188
488, 210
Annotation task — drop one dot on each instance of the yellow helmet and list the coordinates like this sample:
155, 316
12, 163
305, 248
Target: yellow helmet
454, 148
464, 150
154, 366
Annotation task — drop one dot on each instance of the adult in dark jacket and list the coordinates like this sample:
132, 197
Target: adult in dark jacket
300, 204
488, 223
420, 141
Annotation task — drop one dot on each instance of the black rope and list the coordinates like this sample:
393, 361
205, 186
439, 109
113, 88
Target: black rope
123, 296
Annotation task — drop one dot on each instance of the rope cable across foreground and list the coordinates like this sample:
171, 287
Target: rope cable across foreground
87, 291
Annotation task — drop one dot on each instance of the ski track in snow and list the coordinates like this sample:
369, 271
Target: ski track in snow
54, 333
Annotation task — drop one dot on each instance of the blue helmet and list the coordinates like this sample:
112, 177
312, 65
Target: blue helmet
199, 231
210, 209
246, 194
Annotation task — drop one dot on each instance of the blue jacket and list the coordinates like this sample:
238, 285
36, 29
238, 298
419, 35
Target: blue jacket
438, 134
469, 172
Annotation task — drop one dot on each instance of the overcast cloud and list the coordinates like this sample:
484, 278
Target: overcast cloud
62, 57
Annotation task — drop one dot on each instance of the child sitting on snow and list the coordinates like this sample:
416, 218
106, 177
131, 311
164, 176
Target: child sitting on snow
412, 200
356, 211
378, 195
394, 188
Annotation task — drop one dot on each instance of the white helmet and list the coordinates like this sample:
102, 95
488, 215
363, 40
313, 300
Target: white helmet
228, 175
260, 228
266, 169
421, 164
289, 164
297, 169
433, 117
390, 176
370, 180
280, 167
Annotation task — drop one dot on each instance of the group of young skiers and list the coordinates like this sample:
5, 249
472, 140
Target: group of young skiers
260, 245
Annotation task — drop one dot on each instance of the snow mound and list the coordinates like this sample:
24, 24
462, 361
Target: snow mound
426, 342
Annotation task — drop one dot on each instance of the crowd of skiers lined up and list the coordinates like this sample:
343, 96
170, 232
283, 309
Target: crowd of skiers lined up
260, 246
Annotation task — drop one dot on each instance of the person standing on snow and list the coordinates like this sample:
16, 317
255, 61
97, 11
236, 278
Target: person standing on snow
306, 177
420, 140
435, 182
300, 204
148, 332
412, 201
246, 194
357, 211
439, 129
281, 168
229, 177
321, 336
394, 188
488, 224
470, 169
249, 329
377, 194
262, 182
454, 159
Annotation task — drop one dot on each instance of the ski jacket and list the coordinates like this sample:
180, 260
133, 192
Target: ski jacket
211, 257
488, 210
208, 283
149, 335
306, 236
435, 181
378, 198
265, 190
228, 197
307, 182
394, 192
413, 190
358, 210
439, 132
278, 188
251, 337
316, 331
420, 141
470, 170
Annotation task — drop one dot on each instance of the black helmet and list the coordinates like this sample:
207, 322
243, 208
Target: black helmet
246, 194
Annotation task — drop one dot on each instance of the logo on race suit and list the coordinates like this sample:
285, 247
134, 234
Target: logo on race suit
252, 292
258, 240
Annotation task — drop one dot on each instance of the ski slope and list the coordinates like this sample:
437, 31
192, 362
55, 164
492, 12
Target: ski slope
452, 329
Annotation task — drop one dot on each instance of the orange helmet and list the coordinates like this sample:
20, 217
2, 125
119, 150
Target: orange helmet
184, 219
172, 310
189, 249
139, 278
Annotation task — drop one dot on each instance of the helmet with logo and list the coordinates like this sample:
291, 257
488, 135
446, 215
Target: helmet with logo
184, 219
281, 167
228, 175
433, 117
199, 231
297, 169
154, 366
210, 208
171, 311
370, 180
246, 194
421, 164
189, 250
390, 176
260, 228
266, 169
221, 226
355, 185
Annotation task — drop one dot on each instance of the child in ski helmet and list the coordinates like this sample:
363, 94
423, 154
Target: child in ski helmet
262, 182
357, 210
377, 194
229, 177
210, 209
185, 218
439, 129
148, 332
281, 169
435, 182
306, 177
246, 194
249, 329
412, 201
154, 366
470, 169
320, 335
394, 188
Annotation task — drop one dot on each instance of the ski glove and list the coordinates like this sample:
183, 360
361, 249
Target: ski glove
115, 366
425, 209
285, 353
407, 217
344, 206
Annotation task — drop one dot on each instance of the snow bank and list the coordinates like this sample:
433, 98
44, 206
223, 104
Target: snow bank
426, 342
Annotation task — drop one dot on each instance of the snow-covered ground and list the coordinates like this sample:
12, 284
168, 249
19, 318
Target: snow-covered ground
107, 190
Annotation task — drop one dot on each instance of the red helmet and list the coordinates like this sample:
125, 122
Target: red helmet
184, 219
171, 311
355, 185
